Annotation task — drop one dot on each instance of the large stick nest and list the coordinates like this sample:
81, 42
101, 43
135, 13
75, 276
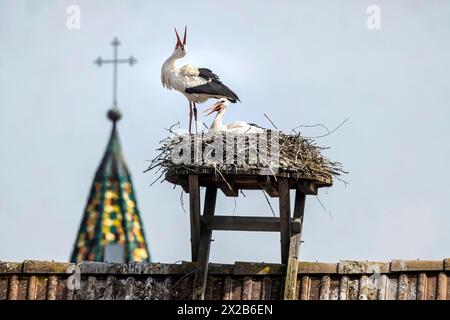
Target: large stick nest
298, 155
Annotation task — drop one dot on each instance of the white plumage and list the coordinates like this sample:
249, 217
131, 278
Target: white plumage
234, 127
196, 84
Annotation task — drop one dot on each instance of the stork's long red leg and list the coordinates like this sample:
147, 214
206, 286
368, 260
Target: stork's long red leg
195, 117
190, 117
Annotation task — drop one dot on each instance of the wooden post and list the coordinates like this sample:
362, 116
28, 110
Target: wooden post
294, 248
194, 209
204, 245
285, 217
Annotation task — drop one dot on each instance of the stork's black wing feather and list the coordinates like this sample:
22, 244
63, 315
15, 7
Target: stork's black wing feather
207, 74
215, 89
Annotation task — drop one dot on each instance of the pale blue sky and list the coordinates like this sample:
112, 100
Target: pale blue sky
301, 62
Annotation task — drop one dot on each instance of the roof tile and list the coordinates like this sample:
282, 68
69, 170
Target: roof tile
362, 267
416, 265
11, 267
43, 267
317, 267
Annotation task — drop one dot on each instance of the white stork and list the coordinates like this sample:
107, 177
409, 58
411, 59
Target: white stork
221, 107
197, 84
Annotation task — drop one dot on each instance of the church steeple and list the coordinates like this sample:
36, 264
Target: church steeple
111, 221
111, 228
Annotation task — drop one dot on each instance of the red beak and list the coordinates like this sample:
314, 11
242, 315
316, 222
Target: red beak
214, 108
179, 43
178, 38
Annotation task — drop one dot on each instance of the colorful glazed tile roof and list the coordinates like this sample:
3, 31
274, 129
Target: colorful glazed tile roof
111, 215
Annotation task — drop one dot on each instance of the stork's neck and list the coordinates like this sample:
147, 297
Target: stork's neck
168, 69
217, 123
170, 63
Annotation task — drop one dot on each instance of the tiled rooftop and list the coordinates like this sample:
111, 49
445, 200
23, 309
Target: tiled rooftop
346, 280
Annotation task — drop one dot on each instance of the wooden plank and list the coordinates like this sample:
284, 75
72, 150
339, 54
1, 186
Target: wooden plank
294, 248
176, 174
299, 206
292, 268
290, 286
205, 245
285, 213
242, 223
235, 223
194, 208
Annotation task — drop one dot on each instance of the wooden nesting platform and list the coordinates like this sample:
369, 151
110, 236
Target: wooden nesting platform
230, 182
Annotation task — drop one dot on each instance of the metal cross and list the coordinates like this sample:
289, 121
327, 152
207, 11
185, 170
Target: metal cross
115, 61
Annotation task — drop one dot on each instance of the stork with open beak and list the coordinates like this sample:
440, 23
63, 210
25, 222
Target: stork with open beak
197, 84
221, 107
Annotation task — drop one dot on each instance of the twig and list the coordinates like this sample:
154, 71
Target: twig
268, 202
324, 209
171, 127
330, 132
182, 200
156, 180
273, 124
310, 126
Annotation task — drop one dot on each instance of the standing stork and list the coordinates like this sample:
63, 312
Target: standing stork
197, 84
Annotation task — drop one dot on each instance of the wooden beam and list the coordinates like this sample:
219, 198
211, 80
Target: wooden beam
285, 213
235, 223
307, 187
294, 248
204, 245
240, 223
228, 189
299, 206
185, 187
265, 182
194, 209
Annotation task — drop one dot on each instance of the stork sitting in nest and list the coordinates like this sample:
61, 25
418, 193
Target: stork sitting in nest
242, 127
